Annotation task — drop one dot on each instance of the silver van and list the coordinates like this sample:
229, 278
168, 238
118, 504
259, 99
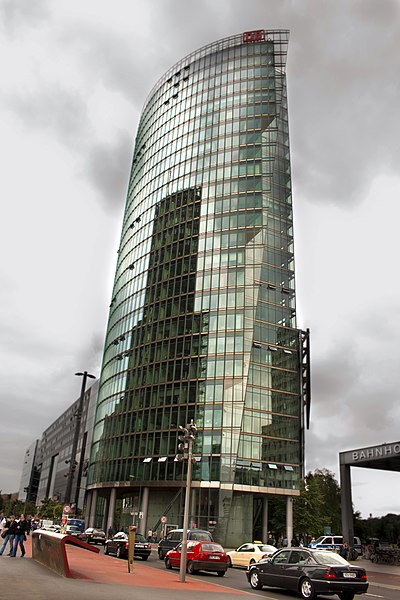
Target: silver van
174, 537
334, 542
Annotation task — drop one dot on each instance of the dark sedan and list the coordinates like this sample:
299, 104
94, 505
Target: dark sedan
93, 536
119, 545
309, 572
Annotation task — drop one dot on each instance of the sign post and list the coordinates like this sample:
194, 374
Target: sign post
131, 545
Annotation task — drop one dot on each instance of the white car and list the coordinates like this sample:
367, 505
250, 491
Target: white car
250, 553
54, 528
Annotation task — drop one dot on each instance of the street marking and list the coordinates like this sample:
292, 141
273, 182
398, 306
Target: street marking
374, 595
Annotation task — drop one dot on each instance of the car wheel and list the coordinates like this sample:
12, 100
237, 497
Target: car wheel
145, 557
229, 561
221, 573
161, 554
167, 563
254, 580
306, 589
106, 549
118, 553
190, 568
346, 596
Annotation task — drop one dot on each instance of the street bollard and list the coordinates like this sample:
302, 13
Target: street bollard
131, 546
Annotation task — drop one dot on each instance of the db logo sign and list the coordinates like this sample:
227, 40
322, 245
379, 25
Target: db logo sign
254, 36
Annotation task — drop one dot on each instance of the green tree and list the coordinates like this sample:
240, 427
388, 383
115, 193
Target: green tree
50, 509
318, 505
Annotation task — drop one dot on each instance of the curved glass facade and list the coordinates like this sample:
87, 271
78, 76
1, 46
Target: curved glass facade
202, 320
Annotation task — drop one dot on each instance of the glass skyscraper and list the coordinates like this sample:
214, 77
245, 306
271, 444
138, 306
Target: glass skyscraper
202, 321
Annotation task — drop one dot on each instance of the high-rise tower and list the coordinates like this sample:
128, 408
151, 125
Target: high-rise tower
202, 320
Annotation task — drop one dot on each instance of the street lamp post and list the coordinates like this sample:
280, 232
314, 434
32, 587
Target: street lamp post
187, 436
78, 415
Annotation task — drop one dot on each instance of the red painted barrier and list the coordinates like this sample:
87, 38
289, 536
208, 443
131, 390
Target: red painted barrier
48, 548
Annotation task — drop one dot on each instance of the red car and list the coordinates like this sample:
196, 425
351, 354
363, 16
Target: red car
201, 556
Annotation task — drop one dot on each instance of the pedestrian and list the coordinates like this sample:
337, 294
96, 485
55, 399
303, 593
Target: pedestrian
20, 536
29, 524
8, 534
110, 532
344, 550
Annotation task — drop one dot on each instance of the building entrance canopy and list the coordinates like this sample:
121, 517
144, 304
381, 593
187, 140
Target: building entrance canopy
385, 457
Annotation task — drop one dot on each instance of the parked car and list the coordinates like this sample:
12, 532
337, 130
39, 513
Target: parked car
335, 542
94, 536
248, 554
119, 545
173, 538
200, 556
73, 530
54, 528
309, 572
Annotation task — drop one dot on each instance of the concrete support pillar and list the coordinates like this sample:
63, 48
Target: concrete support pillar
88, 502
144, 509
289, 520
265, 520
111, 511
92, 512
347, 505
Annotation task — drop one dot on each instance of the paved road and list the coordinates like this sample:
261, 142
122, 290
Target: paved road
99, 577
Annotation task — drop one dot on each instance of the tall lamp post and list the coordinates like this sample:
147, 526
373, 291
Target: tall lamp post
78, 415
187, 436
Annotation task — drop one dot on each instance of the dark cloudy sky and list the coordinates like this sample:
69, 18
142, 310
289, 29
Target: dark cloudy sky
74, 77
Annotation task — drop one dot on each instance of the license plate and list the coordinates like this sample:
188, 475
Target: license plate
351, 575
139, 546
213, 557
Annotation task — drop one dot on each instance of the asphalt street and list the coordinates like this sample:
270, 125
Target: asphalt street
98, 577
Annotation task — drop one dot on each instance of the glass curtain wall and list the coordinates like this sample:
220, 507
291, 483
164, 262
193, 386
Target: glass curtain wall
202, 320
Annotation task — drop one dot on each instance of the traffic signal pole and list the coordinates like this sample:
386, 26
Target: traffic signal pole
182, 568
187, 436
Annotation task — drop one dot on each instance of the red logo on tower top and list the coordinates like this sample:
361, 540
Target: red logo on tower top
254, 36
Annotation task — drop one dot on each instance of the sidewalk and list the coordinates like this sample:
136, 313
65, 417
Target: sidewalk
100, 577
384, 575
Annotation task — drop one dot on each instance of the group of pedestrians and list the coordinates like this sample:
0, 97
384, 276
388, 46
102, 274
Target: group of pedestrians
14, 532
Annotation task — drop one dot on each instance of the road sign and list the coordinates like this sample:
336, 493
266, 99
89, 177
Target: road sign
163, 519
66, 509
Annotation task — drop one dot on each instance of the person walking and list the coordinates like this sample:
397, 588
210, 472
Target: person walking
344, 551
9, 531
20, 536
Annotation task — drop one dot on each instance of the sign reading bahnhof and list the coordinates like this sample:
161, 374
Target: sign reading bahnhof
371, 454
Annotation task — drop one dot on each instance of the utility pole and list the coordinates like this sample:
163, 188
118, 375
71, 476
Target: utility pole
187, 436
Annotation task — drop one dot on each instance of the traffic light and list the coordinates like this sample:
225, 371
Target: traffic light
186, 436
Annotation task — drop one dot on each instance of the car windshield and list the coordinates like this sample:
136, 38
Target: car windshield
320, 539
212, 548
329, 558
201, 536
140, 538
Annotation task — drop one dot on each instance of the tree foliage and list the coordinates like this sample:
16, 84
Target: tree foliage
50, 509
18, 507
385, 529
318, 505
